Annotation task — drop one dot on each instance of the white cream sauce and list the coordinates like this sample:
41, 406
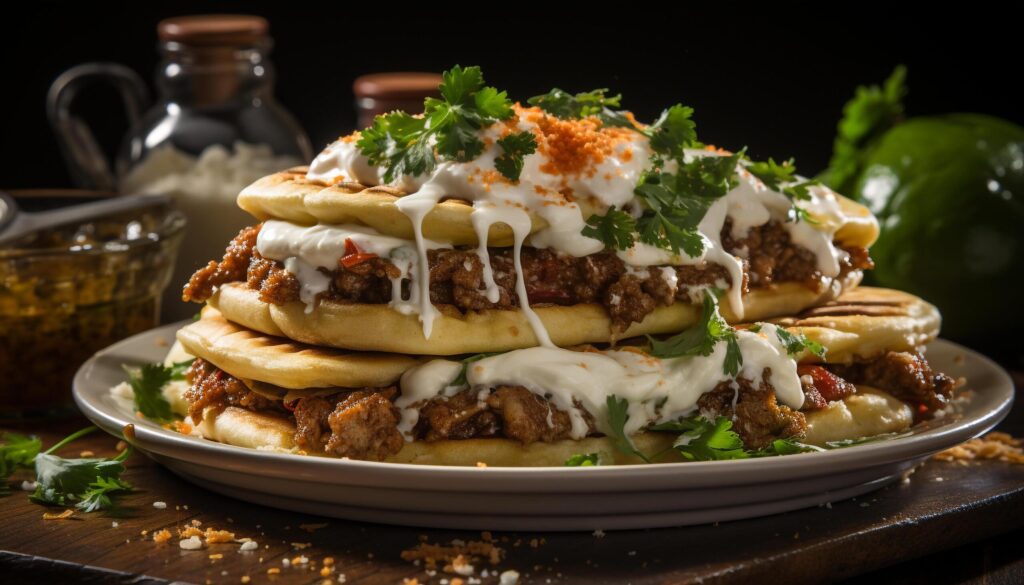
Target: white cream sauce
610, 182
305, 250
657, 390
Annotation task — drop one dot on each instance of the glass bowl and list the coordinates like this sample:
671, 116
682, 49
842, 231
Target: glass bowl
69, 292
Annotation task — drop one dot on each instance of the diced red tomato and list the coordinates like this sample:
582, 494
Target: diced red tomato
830, 386
353, 255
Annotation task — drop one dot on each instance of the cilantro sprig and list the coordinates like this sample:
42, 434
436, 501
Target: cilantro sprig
86, 482
618, 416
797, 343
514, 149
567, 106
703, 440
17, 452
615, 228
672, 132
782, 178
411, 145
147, 388
701, 339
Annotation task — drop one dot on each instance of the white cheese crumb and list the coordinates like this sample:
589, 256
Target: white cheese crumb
249, 545
160, 505
599, 533
114, 524
465, 569
191, 543
508, 578
864, 504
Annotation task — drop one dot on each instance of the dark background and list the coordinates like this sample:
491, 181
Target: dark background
773, 78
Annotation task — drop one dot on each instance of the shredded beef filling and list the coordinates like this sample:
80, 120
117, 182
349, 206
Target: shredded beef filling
456, 276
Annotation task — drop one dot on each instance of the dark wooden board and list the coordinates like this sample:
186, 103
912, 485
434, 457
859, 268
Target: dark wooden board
942, 506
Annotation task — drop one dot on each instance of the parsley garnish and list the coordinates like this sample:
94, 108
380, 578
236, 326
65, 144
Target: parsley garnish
581, 460
567, 106
514, 148
88, 482
618, 415
614, 228
406, 145
796, 343
16, 452
677, 202
147, 387
704, 440
700, 340
672, 132
871, 112
782, 178
773, 174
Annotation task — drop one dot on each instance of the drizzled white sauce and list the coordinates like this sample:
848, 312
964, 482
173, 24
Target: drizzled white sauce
607, 183
306, 250
657, 390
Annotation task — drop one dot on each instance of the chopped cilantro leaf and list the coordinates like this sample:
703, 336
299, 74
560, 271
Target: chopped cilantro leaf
797, 343
618, 415
773, 174
677, 202
397, 141
86, 481
147, 387
614, 228
17, 452
514, 148
700, 340
97, 497
704, 440
565, 105
672, 132
581, 460
405, 145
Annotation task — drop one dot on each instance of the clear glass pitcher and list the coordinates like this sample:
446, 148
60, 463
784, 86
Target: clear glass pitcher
214, 129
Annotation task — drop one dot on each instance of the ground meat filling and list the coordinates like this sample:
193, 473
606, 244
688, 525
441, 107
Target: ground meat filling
509, 411
456, 276
756, 415
359, 424
907, 376
211, 386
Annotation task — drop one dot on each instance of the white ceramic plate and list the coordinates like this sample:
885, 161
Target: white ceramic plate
547, 498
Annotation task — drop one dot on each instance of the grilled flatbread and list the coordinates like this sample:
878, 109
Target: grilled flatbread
346, 325
288, 195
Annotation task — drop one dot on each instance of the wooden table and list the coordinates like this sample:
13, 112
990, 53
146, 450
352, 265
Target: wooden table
978, 508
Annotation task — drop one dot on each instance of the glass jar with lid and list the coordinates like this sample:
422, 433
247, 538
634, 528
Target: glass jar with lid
214, 129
